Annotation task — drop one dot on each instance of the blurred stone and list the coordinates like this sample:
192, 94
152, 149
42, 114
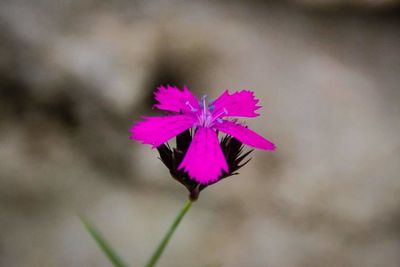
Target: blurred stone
74, 75
372, 4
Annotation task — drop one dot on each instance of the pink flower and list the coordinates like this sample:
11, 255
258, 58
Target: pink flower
204, 160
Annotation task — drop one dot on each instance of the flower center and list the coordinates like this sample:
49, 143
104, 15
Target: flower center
205, 116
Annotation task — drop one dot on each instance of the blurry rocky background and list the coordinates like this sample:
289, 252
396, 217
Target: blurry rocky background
74, 75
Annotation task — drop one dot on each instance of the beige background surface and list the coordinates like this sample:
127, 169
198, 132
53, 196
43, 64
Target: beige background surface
75, 74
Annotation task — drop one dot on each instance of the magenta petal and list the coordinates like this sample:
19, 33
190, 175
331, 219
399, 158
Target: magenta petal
170, 98
244, 135
158, 130
204, 160
239, 104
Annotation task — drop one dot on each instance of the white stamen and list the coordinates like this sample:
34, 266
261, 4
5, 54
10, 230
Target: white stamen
203, 98
224, 111
187, 103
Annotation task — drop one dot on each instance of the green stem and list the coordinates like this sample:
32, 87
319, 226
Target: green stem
157, 253
103, 244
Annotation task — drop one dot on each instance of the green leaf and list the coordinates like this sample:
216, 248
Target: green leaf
103, 244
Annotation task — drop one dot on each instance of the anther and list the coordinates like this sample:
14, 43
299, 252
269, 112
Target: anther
190, 106
223, 112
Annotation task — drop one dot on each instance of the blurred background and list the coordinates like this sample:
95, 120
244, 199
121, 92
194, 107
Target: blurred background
74, 75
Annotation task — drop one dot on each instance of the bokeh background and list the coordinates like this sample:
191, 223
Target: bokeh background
74, 75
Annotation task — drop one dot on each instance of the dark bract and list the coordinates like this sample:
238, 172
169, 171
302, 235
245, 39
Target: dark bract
172, 158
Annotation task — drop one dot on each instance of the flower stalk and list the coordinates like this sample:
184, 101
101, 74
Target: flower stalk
161, 246
201, 157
